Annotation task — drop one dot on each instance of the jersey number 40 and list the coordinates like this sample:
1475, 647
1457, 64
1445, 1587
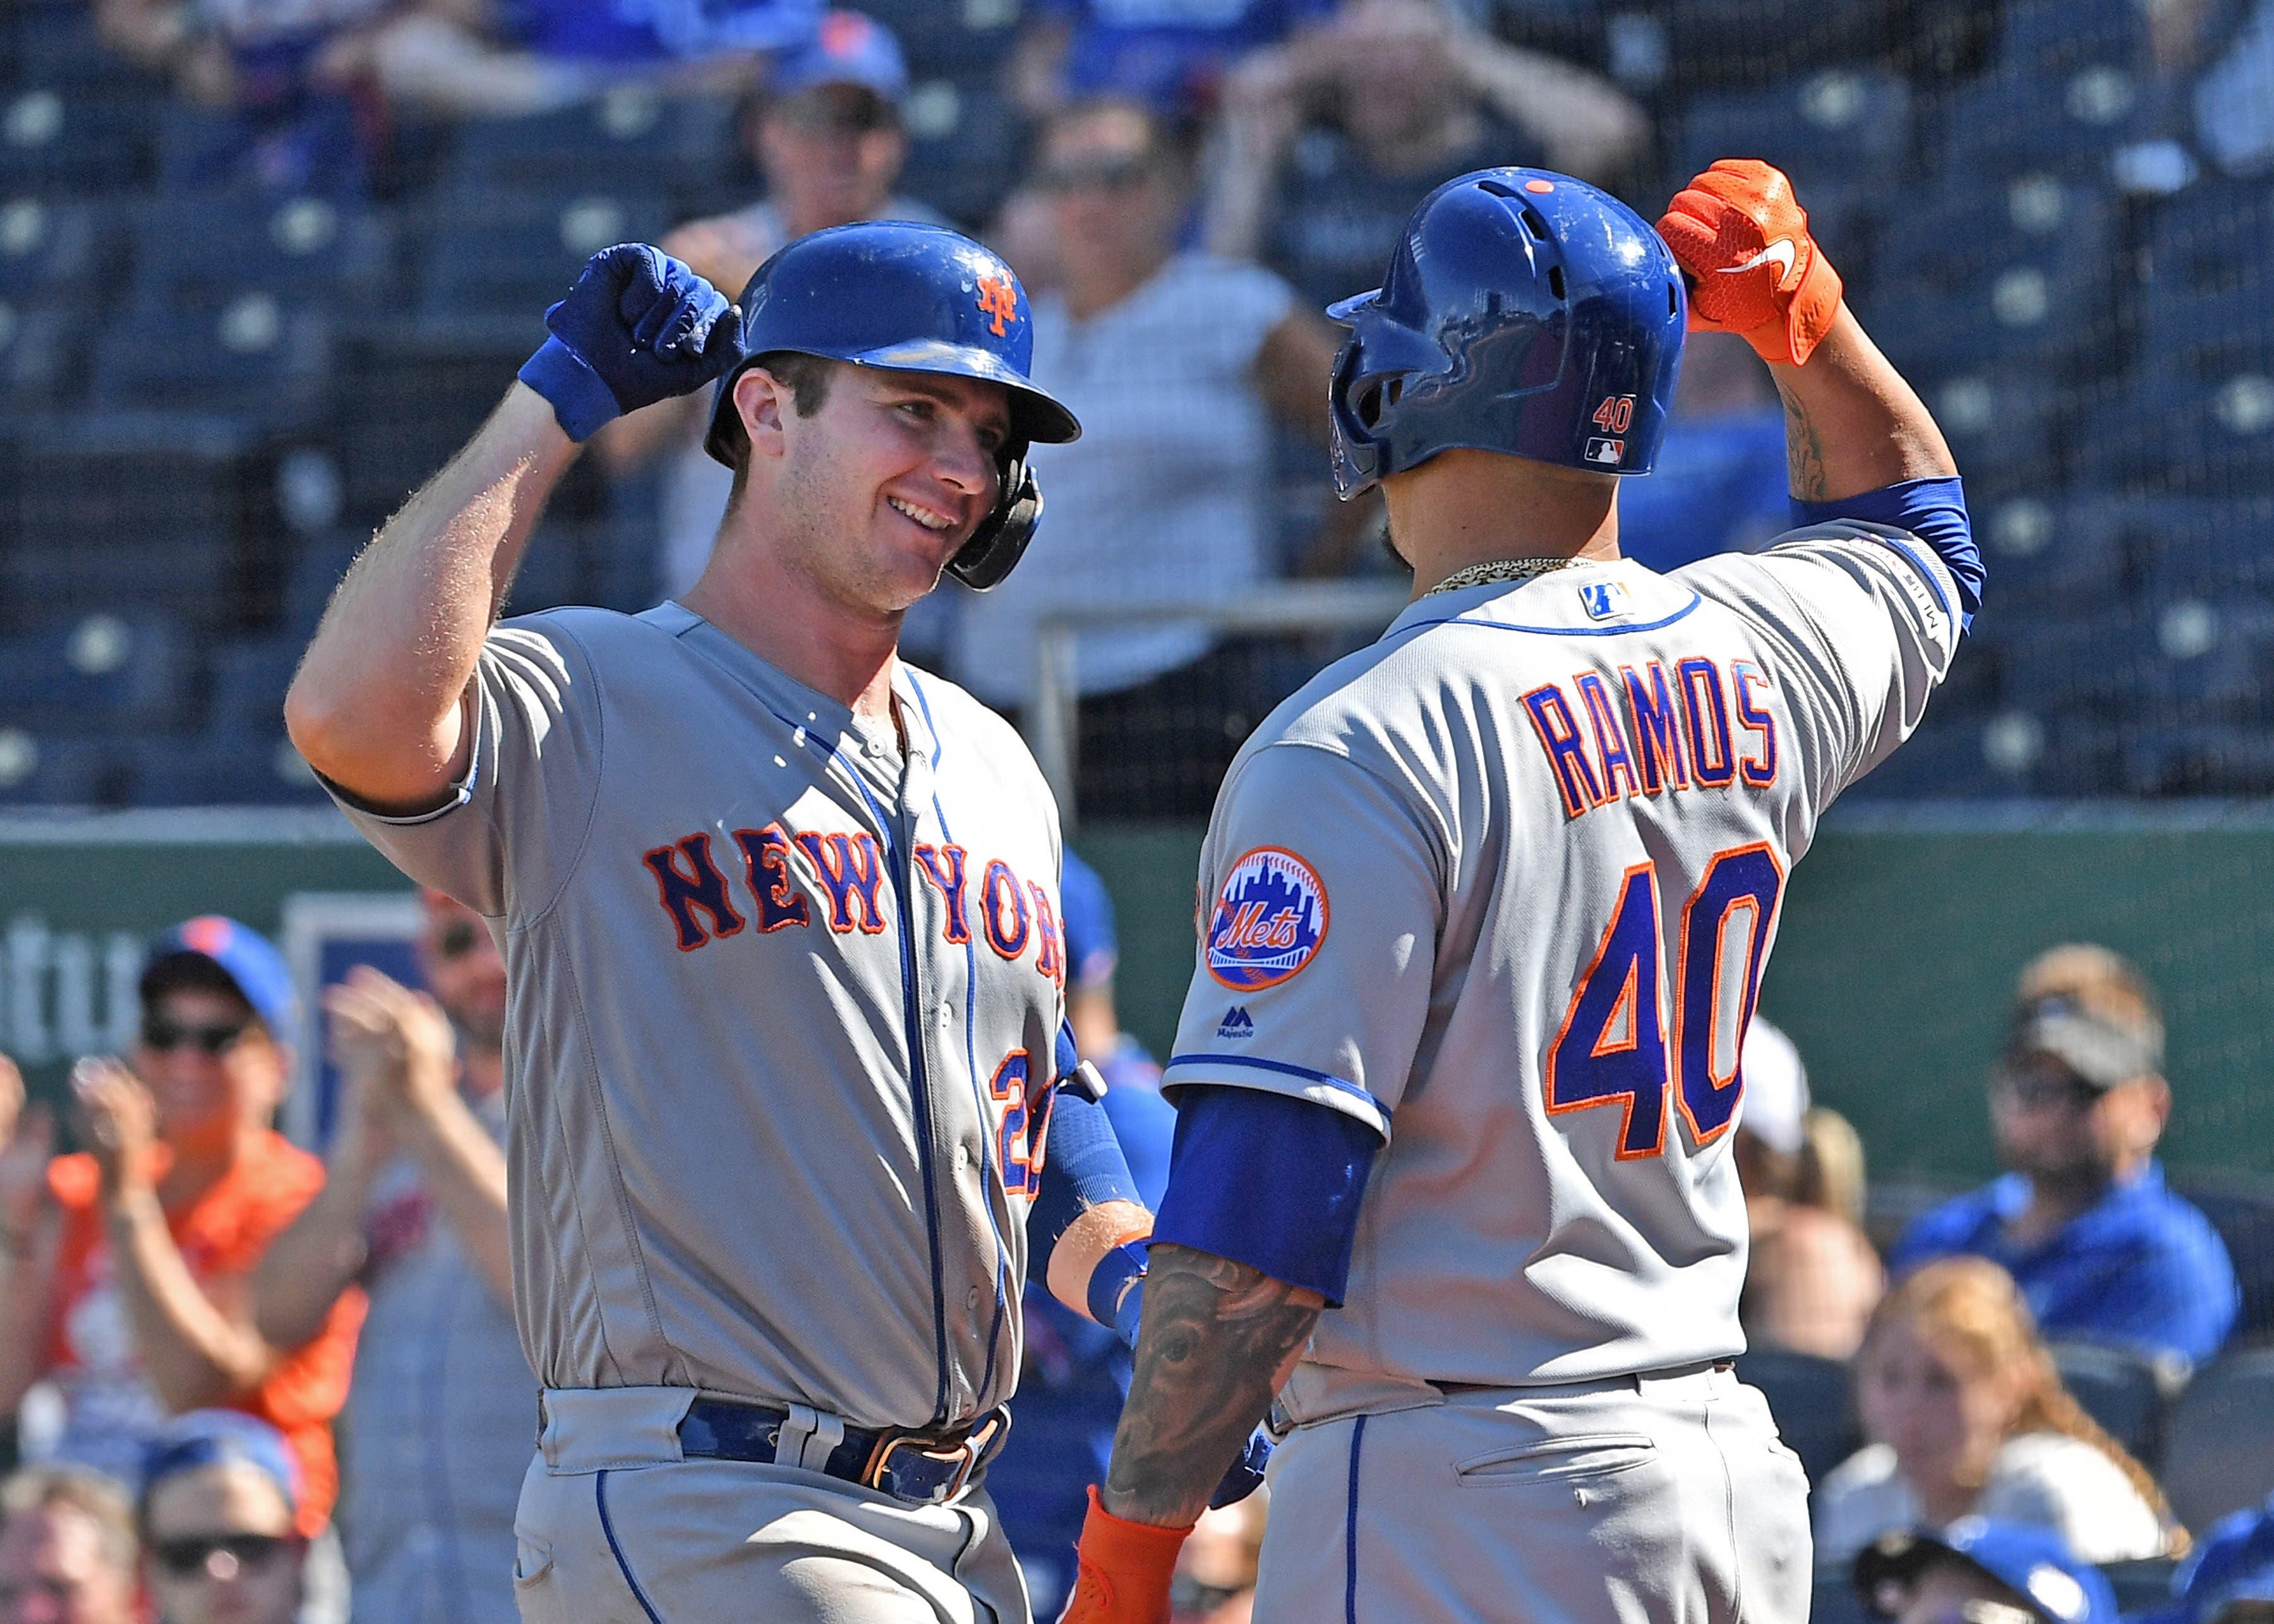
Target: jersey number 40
1613, 1048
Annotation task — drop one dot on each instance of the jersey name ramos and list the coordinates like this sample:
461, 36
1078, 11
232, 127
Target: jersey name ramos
777, 993
1502, 886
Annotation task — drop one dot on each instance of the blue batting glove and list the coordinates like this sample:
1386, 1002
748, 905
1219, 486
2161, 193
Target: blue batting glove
638, 327
1246, 1474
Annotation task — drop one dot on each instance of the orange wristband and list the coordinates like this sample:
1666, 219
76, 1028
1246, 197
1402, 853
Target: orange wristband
1125, 1569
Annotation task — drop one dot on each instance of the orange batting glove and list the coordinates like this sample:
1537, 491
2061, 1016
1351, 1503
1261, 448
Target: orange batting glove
1125, 1571
1753, 269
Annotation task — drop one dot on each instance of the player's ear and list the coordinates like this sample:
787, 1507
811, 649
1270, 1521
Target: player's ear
761, 402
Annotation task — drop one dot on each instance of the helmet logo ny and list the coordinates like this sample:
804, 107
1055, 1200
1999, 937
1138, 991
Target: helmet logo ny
998, 297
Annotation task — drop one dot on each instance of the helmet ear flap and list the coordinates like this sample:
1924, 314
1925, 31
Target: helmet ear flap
1356, 407
1000, 541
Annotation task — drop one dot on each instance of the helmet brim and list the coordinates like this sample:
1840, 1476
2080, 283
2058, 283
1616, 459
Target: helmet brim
1037, 417
1345, 312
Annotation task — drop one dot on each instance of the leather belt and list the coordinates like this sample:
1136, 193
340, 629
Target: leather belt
928, 1468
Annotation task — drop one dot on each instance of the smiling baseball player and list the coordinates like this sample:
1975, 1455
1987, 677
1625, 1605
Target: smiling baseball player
1486, 911
781, 925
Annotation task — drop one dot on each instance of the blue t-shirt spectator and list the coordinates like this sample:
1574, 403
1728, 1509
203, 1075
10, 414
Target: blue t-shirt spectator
1719, 486
1071, 1389
1169, 53
2142, 1268
631, 33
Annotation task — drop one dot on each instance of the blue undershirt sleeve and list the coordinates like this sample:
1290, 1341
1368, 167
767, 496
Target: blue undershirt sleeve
1933, 510
1268, 1180
1084, 1168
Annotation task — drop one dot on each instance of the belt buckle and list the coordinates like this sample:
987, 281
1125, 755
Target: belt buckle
963, 1455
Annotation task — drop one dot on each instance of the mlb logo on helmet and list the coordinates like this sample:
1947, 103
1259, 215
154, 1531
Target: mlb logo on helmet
1607, 451
1270, 917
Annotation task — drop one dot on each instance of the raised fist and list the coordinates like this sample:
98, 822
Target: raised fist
1742, 241
638, 327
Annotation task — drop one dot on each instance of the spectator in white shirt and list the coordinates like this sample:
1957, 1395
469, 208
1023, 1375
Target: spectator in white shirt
1179, 362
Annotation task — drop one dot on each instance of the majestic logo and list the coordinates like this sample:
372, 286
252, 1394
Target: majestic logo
998, 297
1237, 1023
1270, 917
1602, 599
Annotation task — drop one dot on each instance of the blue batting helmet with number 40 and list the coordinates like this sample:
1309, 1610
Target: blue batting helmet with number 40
1524, 312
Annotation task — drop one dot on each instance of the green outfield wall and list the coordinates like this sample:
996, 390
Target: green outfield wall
1899, 939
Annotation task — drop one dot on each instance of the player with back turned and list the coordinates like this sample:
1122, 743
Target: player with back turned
1486, 911
779, 917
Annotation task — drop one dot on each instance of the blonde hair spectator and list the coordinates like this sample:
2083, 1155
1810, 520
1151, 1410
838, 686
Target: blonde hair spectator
1967, 1415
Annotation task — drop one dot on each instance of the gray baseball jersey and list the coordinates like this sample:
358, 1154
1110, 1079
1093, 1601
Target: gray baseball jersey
1502, 886
778, 990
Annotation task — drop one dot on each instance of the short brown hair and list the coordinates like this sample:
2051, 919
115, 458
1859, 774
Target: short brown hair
807, 378
74, 1488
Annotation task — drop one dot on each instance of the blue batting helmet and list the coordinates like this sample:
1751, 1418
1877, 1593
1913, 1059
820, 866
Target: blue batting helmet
1524, 312
913, 299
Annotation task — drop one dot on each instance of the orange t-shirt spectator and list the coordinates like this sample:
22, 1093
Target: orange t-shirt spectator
123, 1269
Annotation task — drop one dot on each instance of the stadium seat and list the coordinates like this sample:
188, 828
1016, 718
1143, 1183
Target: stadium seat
953, 36
2222, 759
2119, 1389
64, 771
207, 251
2181, 433
2051, 36
2068, 120
2000, 423
966, 146
2205, 547
314, 575
510, 254
1809, 1397
1839, 127
56, 45
223, 770
551, 570
418, 390
253, 356
1945, 760
2141, 1587
2208, 296
2242, 1210
1836, 1602
630, 141
127, 511
58, 140
2093, 662
56, 248
2048, 554
2022, 273
43, 354
249, 680
2218, 1455
94, 671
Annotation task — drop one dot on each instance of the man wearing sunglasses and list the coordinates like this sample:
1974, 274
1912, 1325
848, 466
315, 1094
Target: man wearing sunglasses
435, 1437
2082, 1219
220, 1499
124, 1271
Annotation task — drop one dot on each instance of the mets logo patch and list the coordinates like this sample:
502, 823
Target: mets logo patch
1270, 920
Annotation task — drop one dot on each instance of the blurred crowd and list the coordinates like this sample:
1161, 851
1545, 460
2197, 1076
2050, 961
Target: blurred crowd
254, 1386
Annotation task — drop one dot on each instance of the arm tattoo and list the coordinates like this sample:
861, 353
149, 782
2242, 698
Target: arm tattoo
1218, 1340
1804, 451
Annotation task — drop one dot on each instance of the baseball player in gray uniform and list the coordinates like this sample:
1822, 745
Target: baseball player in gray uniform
779, 921
1485, 911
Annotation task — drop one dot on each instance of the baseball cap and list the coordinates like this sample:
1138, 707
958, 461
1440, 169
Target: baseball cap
1776, 1089
2035, 1563
251, 963
213, 1437
2233, 1564
848, 47
2100, 1046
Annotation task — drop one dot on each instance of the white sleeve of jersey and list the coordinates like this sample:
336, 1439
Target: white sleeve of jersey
1862, 620
1320, 903
504, 843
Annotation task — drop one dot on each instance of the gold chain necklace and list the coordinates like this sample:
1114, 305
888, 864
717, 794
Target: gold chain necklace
1494, 570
